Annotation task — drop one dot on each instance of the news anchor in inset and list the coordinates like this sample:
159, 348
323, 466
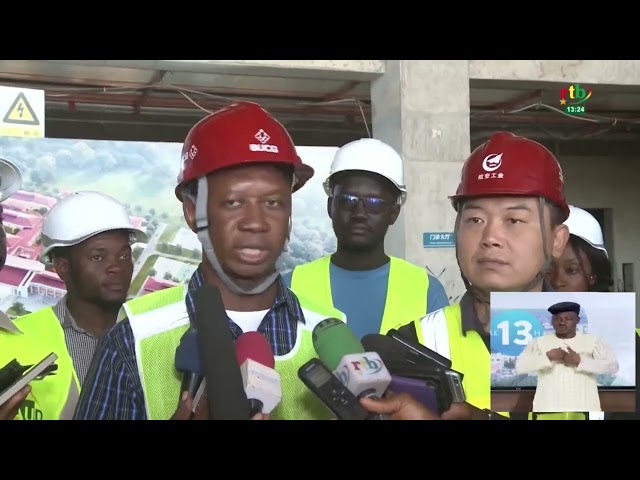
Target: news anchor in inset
567, 363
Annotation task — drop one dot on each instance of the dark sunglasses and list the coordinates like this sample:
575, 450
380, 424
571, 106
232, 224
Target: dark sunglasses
372, 205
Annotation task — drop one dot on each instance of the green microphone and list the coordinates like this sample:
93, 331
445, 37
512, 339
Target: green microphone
332, 340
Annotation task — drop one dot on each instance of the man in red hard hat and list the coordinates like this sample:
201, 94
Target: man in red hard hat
510, 208
239, 169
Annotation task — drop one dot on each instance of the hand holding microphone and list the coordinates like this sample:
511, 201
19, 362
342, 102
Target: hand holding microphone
417, 370
188, 363
425, 376
344, 372
403, 406
346, 364
9, 409
188, 409
260, 381
362, 372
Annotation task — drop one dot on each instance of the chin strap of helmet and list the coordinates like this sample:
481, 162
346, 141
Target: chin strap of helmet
202, 230
539, 278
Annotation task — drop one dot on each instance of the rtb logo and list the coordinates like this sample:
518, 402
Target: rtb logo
574, 95
362, 366
367, 366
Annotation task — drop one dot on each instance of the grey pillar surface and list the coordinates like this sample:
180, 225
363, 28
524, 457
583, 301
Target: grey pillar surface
421, 108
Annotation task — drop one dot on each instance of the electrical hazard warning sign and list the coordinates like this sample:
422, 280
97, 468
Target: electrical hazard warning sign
21, 112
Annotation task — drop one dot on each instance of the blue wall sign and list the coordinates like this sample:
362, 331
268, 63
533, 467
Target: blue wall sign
438, 240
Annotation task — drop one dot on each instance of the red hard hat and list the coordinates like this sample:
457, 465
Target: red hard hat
511, 165
239, 134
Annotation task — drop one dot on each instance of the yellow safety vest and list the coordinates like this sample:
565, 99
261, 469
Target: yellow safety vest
441, 331
158, 321
406, 292
37, 335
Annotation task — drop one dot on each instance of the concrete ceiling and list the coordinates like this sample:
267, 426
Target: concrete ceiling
149, 100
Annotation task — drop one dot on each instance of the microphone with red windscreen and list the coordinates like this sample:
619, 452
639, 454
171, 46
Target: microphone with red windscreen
261, 382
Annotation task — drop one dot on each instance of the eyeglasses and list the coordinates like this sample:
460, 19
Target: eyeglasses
372, 205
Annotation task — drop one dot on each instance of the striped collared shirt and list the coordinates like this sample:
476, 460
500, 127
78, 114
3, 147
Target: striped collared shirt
80, 344
113, 390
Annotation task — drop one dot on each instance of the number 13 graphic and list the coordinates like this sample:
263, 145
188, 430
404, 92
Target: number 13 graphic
522, 328
512, 330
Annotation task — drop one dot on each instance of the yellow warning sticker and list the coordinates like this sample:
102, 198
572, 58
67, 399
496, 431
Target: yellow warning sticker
20, 112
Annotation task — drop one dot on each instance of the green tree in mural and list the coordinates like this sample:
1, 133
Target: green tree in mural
18, 309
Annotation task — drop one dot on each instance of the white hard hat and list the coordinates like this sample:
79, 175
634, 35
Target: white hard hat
369, 155
82, 215
584, 225
10, 179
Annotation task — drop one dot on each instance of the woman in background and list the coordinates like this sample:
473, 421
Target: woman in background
584, 265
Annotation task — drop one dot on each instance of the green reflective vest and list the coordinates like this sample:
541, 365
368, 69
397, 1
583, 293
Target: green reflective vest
158, 321
441, 331
406, 298
33, 337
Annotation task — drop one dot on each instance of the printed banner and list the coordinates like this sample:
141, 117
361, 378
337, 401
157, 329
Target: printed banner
142, 175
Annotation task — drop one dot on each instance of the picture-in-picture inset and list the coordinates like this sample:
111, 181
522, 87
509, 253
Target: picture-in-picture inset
570, 352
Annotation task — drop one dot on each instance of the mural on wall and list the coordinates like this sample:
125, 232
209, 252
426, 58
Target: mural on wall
141, 175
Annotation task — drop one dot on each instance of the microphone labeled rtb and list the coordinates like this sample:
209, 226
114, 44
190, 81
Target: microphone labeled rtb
332, 393
362, 372
261, 382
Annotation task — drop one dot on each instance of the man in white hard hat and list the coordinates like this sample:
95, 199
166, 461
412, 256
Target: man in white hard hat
366, 190
87, 238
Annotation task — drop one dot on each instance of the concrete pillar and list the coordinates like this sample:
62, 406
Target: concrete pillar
421, 108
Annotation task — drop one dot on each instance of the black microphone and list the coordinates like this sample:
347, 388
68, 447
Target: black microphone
412, 372
224, 386
188, 363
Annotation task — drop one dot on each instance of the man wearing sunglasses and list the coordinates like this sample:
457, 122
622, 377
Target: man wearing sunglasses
374, 291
